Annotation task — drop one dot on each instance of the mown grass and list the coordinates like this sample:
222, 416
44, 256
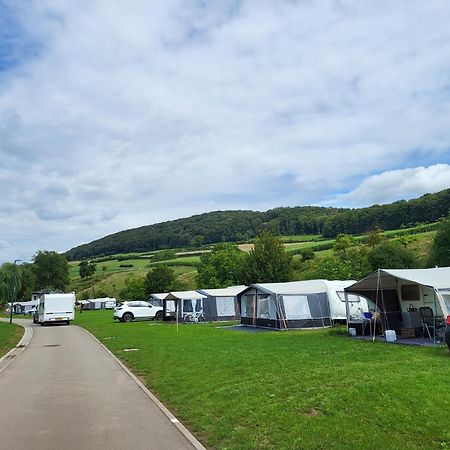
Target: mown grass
287, 390
10, 335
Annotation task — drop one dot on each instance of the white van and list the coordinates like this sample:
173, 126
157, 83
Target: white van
59, 308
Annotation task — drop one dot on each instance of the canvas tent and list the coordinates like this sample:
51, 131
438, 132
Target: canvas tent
23, 307
156, 299
187, 306
221, 304
296, 304
399, 293
99, 303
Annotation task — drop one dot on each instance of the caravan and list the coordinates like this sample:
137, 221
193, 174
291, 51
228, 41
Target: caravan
55, 308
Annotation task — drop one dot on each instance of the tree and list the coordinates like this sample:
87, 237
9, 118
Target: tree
343, 242
307, 254
392, 255
221, 268
374, 237
267, 262
440, 248
331, 268
10, 282
87, 268
134, 289
51, 270
159, 279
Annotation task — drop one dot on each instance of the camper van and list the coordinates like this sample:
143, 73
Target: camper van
56, 308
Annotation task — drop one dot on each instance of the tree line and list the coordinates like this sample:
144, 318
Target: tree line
227, 265
48, 270
242, 226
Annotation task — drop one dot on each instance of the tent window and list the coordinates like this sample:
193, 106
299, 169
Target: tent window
225, 306
198, 306
170, 305
248, 304
263, 307
410, 292
296, 307
187, 306
352, 298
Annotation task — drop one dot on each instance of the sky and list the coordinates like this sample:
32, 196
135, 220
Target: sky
115, 115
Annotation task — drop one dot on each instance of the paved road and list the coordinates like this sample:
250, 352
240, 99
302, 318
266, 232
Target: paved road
65, 391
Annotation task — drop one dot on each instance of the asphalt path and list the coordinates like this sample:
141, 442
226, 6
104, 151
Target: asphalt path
65, 391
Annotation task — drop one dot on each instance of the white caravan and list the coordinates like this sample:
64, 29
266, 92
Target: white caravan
56, 308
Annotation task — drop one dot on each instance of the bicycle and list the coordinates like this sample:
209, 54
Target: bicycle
194, 317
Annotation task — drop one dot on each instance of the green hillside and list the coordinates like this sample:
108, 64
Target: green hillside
241, 226
113, 273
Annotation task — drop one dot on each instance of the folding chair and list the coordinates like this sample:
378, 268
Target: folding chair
429, 322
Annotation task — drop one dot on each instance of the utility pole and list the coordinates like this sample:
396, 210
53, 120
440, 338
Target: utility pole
14, 290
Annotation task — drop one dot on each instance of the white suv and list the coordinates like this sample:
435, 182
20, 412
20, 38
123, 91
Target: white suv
136, 310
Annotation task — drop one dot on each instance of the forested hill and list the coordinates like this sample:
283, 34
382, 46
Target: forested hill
234, 226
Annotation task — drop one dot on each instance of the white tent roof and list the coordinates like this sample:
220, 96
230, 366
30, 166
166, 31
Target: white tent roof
161, 296
225, 292
185, 295
303, 287
438, 278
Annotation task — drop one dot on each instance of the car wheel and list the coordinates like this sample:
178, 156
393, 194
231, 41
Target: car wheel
159, 315
127, 317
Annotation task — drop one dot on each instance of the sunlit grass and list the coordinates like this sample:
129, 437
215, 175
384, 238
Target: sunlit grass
10, 335
287, 390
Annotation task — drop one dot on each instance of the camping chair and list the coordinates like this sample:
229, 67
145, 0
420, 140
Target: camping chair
429, 322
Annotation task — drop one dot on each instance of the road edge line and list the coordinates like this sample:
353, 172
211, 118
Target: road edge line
176, 422
9, 357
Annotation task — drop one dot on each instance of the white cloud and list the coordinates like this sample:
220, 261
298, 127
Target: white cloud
398, 184
149, 111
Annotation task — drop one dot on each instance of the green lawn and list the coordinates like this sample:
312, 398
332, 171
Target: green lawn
10, 335
287, 390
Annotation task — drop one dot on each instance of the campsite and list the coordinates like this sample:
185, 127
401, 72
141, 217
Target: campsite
290, 389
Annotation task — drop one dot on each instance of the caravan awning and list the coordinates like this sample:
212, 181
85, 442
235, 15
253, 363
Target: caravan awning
438, 278
184, 295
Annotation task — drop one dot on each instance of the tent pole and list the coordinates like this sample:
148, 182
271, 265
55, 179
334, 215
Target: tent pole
434, 315
347, 311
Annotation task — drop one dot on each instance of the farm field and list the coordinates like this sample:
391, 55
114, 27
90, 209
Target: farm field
287, 390
10, 335
111, 275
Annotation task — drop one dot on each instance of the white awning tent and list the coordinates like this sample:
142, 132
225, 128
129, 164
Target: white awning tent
221, 304
398, 292
296, 304
187, 306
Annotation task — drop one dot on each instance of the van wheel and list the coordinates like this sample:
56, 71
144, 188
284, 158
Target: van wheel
127, 317
42, 324
159, 315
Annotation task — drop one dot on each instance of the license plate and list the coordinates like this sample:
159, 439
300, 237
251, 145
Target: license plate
60, 318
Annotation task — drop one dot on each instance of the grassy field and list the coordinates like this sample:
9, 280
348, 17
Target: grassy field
110, 277
287, 390
10, 335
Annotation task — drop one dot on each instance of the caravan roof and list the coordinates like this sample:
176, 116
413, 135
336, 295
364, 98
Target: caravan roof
438, 278
224, 292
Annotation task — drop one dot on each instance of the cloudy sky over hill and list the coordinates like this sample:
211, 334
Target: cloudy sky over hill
120, 114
